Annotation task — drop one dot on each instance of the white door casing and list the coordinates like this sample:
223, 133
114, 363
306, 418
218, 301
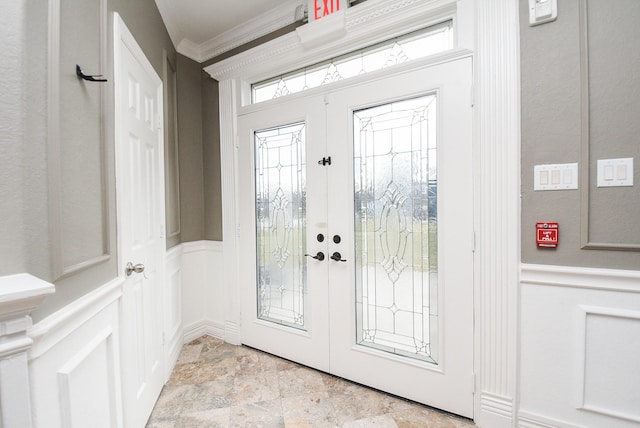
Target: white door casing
330, 291
140, 210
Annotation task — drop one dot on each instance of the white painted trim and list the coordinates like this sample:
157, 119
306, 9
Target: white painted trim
497, 260
202, 328
581, 369
268, 22
528, 419
19, 295
581, 277
54, 328
65, 375
277, 18
371, 22
196, 246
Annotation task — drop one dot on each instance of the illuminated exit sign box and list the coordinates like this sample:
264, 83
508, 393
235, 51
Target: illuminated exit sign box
319, 9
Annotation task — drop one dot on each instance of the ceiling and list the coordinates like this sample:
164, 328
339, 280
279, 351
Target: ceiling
202, 29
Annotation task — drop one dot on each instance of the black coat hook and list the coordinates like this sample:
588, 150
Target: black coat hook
88, 77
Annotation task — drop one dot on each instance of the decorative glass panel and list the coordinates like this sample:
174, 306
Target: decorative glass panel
396, 233
418, 44
281, 224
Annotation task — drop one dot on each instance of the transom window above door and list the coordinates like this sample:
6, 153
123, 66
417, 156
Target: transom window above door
418, 44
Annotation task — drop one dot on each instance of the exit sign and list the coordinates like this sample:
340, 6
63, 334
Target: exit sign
319, 9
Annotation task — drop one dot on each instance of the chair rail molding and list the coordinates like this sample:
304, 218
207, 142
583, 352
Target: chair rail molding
19, 296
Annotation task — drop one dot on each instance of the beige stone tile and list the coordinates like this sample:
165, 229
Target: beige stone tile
216, 418
255, 388
252, 362
161, 423
300, 381
383, 421
189, 353
310, 410
172, 401
266, 414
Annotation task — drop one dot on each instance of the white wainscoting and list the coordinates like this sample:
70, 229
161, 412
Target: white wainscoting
74, 364
173, 308
579, 347
203, 293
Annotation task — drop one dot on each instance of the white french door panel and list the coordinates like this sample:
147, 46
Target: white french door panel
445, 382
140, 197
417, 256
306, 339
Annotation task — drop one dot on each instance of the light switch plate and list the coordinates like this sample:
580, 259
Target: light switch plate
542, 11
615, 172
562, 176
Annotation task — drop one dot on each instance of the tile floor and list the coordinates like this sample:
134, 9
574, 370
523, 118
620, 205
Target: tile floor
215, 384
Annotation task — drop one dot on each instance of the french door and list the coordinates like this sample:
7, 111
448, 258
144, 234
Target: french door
356, 224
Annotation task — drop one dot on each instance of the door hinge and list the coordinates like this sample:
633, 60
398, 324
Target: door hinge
473, 383
158, 122
163, 339
473, 242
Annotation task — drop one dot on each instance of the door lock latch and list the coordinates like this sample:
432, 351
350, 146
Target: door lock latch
325, 161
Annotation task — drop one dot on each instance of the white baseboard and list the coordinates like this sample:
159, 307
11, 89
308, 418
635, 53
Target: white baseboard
203, 328
532, 420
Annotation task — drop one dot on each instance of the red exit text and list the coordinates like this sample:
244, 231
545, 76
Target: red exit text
322, 8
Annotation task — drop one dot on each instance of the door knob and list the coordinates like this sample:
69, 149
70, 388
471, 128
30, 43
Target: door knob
130, 268
337, 257
319, 256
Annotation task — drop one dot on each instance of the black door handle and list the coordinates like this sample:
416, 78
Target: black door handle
319, 256
337, 257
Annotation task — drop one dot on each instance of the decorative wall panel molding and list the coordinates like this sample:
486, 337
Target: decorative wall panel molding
79, 213
578, 347
611, 213
609, 374
87, 385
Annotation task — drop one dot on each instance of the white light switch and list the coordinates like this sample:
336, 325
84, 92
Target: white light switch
555, 177
541, 11
615, 172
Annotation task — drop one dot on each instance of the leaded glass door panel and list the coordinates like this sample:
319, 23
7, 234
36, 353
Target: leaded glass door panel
404, 203
284, 292
389, 303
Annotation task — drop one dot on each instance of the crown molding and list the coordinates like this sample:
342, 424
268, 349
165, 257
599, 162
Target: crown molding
249, 31
383, 18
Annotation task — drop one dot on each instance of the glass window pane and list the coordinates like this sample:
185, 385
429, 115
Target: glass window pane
281, 224
396, 233
418, 44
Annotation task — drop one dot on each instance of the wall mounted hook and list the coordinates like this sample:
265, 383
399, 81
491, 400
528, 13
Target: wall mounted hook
90, 78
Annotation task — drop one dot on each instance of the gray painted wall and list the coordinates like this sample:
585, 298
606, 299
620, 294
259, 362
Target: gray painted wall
82, 215
81, 153
190, 137
552, 123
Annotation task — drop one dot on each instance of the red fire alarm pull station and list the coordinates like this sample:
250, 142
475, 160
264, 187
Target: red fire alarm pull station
547, 234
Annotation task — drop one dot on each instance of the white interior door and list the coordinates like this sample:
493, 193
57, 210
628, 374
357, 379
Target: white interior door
390, 305
140, 193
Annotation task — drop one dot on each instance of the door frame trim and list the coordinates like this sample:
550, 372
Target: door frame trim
491, 30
